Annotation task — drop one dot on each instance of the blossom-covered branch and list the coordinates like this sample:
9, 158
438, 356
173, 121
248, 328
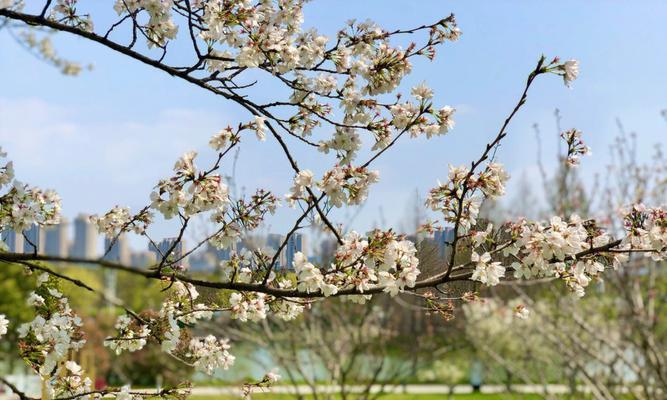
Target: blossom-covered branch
338, 96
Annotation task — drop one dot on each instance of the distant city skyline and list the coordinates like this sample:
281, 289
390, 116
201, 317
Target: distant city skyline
54, 241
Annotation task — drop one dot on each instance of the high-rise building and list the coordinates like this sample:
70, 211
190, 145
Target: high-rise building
13, 240
56, 241
443, 239
142, 259
328, 249
117, 251
221, 254
273, 242
202, 261
85, 238
33, 240
295, 243
250, 243
163, 247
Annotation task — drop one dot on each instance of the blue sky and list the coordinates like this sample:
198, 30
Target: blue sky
107, 136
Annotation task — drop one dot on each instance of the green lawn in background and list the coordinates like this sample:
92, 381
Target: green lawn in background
475, 396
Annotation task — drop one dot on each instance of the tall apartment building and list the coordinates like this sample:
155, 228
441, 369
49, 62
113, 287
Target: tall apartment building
296, 243
163, 247
13, 240
85, 238
273, 242
33, 240
117, 251
328, 249
222, 254
442, 239
56, 239
142, 259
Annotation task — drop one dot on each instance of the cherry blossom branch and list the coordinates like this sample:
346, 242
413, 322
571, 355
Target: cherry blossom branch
81, 284
493, 145
13, 388
435, 280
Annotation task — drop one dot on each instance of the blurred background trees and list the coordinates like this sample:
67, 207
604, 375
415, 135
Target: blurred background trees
613, 341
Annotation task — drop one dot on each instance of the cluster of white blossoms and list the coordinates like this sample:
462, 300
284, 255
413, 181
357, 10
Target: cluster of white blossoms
262, 33
370, 66
392, 63
345, 142
43, 48
55, 330
581, 273
132, 335
310, 278
268, 35
172, 336
225, 137
303, 180
575, 146
399, 267
486, 271
189, 191
210, 354
119, 219
347, 184
254, 306
6, 171
4, 325
457, 200
382, 259
65, 11
272, 377
286, 309
160, 26
541, 250
246, 216
178, 311
366, 51
69, 383
181, 308
492, 180
646, 230
412, 117
250, 307
417, 118
50, 339
570, 71
534, 249
521, 311
259, 126
22, 206
237, 267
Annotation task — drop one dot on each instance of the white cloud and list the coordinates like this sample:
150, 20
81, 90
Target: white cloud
95, 165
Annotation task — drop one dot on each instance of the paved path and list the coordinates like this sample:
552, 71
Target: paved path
409, 389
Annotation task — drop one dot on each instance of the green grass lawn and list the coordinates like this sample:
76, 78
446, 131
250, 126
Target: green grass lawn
260, 396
